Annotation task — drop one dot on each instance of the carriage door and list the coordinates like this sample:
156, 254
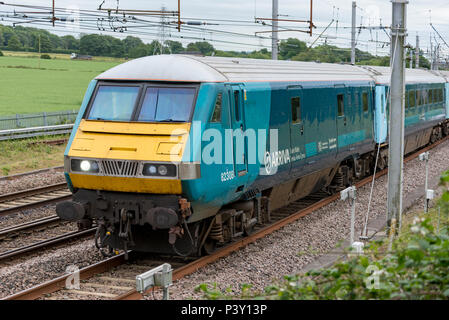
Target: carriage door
380, 115
447, 100
297, 133
238, 126
342, 104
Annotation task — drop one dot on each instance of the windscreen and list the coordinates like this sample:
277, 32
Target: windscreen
114, 103
167, 104
158, 104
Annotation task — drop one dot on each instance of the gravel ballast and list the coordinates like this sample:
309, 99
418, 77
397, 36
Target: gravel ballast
31, 181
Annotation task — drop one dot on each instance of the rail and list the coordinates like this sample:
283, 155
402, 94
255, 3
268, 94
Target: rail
35, 132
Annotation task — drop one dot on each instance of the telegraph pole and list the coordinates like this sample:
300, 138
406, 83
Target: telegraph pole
396, 147
274, 37
417, 53
354, 7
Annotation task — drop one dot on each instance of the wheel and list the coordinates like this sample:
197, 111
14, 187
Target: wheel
209, 247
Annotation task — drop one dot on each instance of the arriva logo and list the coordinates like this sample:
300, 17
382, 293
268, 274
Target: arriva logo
275, 159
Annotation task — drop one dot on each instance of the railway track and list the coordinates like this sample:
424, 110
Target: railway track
51, 242
14, 231
29, 173
33, 198
280, 218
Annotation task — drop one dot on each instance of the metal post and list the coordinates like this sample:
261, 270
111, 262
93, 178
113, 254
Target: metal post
53, 13
274, 37
396, 144
417, 52
179, 15
350, 194
354, 7
431, 53
311, 18
352, 220
426, 184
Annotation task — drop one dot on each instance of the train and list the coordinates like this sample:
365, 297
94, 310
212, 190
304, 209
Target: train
181, 154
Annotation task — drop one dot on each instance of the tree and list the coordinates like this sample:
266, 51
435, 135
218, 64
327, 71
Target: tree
117, 48
155, 47
94, 44
14, 43
204, 47
291, 47
140, 51
131, 43
174, 46
70, 43
46, 45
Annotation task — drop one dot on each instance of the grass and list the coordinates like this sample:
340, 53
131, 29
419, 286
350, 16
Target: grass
31, 85
19, 156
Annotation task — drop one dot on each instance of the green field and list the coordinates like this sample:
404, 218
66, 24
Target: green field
58, 84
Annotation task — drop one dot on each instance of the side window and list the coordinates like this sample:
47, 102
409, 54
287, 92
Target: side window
341, 105
430, 96
411, 99
365, 101
296, 109
216, 116
407, 102
237, 105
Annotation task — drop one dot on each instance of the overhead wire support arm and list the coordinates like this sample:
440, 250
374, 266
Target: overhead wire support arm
439, 35
328, 26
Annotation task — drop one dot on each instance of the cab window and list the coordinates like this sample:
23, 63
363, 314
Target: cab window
172, 104
216, 115
114, 103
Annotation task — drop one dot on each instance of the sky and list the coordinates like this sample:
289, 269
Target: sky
242, 14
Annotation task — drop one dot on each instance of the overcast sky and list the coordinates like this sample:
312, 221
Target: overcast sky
369, 13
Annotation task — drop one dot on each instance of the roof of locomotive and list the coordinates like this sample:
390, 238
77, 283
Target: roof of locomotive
217, 69
187, 68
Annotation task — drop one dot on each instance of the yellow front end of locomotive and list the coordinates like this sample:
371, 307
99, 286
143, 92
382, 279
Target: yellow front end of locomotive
128, 142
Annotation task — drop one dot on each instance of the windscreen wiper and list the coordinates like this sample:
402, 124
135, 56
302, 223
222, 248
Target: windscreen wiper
168, 120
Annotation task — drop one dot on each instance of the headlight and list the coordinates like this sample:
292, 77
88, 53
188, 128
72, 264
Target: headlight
81, 165
85, 165
159, 170
162, 170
